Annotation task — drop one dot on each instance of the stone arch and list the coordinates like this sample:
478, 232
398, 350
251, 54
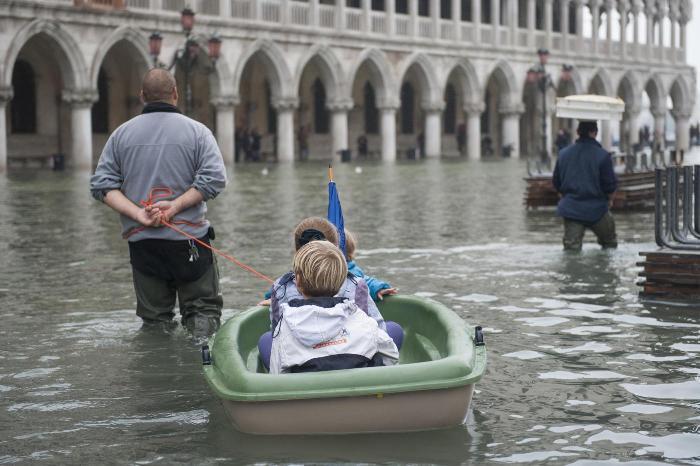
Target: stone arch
503, 75
331, 72
654, 88
681, 96
381, 75
629, 84
467, 78
70, 60
275, 66
576, 82
125, 33
629, 91
431, 91
601, 82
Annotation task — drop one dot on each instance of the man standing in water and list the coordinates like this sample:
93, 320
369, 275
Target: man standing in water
586, 182
161, 148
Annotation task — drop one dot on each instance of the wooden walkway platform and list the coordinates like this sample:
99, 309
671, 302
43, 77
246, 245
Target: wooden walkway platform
670, 276
635, 191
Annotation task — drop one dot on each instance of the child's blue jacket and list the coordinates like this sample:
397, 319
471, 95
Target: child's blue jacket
375, 285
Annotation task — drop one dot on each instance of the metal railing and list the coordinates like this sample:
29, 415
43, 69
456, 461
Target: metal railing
677, 208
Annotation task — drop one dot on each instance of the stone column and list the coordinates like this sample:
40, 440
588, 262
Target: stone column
623, 7
473, 111
476, 21
660, 127
683, 39
225, 126
457, 19
413, 14
609, 7
531, 24
339, 125
636, 8
513, 14
390, 16
388, 122
495, 21
606, 135
433, 130
595, 11
548, 22
564, 21
682, 118
80, 102
313, 13
435, 18
650, 12
579, 26
661, 15
285, 129
225, 8
339, 15
511, 129
673, 15
366, 20
633, 112
5, 97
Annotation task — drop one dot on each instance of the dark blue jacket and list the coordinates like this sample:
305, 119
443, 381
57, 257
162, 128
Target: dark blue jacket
585, 178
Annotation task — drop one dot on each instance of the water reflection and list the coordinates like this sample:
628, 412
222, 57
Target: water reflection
579, 370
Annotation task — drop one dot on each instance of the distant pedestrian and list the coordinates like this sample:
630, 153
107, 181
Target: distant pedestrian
461, 138
362, 146
585, 178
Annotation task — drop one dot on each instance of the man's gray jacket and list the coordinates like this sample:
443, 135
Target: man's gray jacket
161, 148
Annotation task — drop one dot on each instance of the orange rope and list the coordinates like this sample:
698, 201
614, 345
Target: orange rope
163, 193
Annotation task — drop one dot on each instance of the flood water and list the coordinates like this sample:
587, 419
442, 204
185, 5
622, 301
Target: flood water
579, 371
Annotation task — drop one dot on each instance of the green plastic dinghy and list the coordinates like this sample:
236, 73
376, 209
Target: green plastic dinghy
431, 387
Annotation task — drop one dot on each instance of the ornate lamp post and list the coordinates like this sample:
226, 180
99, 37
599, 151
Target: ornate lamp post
538, 74
186, 57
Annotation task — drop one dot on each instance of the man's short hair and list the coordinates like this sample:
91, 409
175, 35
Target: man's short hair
585, 128
158, 85
320, 269
312, 229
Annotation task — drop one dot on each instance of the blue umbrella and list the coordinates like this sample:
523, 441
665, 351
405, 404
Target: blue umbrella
335, 211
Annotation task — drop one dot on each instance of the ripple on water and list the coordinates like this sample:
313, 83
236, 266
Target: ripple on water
590, 330
49, 407
527, 354
34, 373
590, 346
477, 298
689, 390
642, 408
674, 446
516, 309
566, 375
194, 417
686, 347
651, 358
542, 321
533, 457
613, 462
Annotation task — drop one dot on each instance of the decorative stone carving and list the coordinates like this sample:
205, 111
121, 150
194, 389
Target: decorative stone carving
6, 94
225, 101
79, 97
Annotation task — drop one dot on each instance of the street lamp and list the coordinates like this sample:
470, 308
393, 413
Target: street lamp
186, 57
538, 74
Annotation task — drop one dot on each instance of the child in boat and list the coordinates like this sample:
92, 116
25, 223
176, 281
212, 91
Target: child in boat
321, 331
377, 288
354, 288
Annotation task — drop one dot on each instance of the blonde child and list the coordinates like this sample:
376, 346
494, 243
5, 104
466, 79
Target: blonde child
322, 331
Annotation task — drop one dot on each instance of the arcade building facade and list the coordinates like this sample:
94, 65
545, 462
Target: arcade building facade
385, 79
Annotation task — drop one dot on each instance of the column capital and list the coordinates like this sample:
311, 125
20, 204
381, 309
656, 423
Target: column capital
79, 97
6, 94
579, 3
225, 101
474, 108
512, 110
286, 104
683, 113
433, 107
649, 9
609, 5
595, 3
344, 105
623, 6
633, 110
388, 108
658, 113
636, 6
